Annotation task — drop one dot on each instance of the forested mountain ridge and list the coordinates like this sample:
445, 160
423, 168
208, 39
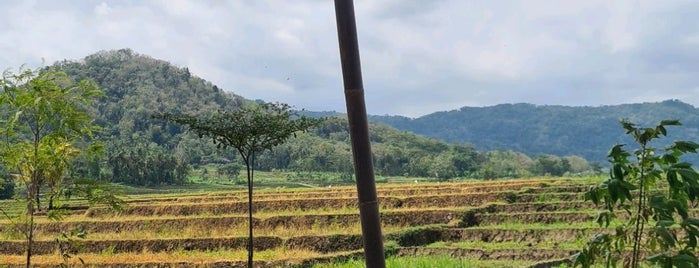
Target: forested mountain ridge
548, 129
140, 150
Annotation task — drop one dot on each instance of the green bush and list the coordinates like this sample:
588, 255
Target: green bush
7, 188
390, 248
655, 188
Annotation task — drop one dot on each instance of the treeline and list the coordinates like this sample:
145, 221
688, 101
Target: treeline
401, 153
141, 151
548, 129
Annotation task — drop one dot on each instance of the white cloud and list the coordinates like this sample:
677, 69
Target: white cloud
417, 56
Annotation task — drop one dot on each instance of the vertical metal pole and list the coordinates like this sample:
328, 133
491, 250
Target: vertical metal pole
359, 134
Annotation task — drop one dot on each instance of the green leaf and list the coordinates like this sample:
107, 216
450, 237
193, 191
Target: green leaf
692, 221
628, 185
689, 174
685, 259
655, 258
672, 180
617, 151
646, 136
592, 195
603, 218
630, 127
668, 238
581, 259
672, 122
665, 223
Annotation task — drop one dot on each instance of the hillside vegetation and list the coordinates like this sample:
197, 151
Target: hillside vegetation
143, 151
547, 129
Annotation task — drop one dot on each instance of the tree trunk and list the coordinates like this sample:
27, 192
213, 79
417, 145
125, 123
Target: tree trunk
30, 239
50, 205
250, 170
36, 196
29, 231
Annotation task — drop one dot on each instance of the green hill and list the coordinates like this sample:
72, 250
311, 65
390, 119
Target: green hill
548, 129
143, 151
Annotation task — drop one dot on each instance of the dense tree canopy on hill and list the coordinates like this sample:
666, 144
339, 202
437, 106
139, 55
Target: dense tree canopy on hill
143, 151
136, 86
546, 129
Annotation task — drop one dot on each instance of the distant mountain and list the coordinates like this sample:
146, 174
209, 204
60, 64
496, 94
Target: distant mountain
548, 129
140, 150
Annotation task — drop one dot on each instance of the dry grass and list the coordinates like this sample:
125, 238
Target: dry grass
225, 231
194, 257
414, 197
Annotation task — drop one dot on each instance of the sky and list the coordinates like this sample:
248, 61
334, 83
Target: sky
417, 56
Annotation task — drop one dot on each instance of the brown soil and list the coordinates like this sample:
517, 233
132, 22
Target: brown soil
238, 207
398, 218
421, 201
325, 244
151, 245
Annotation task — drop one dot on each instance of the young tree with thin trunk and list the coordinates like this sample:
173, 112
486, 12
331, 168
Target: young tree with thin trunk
250, 129
44, 116
656, 188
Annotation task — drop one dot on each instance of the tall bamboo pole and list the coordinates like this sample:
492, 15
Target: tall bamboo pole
359, 134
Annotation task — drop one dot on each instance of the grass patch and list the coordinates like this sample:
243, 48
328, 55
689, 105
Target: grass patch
543, 226
437, 261
568, 245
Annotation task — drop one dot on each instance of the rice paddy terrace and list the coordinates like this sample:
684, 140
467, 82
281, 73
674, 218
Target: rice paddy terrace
514, 223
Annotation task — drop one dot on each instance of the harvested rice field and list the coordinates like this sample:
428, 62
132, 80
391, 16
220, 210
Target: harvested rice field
537, 222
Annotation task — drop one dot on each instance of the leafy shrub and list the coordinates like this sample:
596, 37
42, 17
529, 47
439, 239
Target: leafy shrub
390, 248
7, 188
634, 187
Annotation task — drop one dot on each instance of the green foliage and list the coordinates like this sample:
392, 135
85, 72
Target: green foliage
144, 163
503, 164
633, 186
136, 86
545, 129
7, 188
425, 261
551, 165
391, 248
70, 241
230, 170
395, 153
249, 130
47, 124
95, 192
45, 116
